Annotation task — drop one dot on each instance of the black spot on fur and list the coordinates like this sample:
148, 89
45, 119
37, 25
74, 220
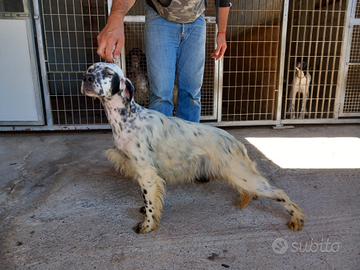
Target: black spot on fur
115, 83
145, 191
122, 112
244, 180
150, 210
138, 144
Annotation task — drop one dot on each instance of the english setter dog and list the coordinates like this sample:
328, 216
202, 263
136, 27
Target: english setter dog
155, 150
300, 86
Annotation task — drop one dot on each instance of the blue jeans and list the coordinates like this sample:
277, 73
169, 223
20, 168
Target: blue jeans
173, 47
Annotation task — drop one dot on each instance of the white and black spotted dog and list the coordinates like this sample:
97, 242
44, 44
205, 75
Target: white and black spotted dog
299, 86
155, 149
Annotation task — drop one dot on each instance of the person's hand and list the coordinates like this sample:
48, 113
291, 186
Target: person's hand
112, 35
221, 46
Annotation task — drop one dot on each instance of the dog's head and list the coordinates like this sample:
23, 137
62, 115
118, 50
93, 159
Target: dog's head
104, 80
301, 63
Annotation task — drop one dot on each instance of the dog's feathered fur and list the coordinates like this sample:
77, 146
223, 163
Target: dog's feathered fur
155, 149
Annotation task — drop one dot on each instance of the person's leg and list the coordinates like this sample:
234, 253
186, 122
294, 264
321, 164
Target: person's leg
162, 39
190, 69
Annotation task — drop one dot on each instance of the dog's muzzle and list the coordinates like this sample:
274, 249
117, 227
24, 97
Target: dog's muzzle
88, 83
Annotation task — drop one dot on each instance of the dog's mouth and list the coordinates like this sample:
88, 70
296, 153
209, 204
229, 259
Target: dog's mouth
89, 91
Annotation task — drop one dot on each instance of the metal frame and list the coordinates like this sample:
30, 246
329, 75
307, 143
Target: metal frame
351, 21
41, 53
282, 61
26, 16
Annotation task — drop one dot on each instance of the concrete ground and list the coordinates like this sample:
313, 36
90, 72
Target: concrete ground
64, 207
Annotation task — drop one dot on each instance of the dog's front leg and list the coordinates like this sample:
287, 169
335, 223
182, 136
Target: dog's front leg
153, 189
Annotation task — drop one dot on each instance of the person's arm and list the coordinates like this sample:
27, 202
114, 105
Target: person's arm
221, 36
113, 33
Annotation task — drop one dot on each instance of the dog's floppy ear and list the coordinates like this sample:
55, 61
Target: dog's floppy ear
128, 93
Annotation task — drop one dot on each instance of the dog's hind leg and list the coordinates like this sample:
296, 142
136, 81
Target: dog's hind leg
297, 219
245, 198
253, 184
303, 111
153, 189
291, 110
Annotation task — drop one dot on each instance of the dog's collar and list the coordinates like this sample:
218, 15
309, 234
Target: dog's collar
300, 77
300, 72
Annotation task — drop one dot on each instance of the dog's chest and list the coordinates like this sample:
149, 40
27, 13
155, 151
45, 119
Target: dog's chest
125, 126
301, 83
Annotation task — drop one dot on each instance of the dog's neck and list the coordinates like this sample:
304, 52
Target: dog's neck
117, 112
300, 74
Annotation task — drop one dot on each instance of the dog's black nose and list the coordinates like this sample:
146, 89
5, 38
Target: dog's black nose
89, 78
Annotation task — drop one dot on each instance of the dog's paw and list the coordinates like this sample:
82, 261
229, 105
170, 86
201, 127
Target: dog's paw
297, 222
143, 227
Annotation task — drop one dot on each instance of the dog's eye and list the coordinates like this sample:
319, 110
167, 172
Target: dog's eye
108, 74
91, 69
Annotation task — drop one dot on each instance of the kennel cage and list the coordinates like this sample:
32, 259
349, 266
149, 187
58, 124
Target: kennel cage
316, 31
249, 86
251, 62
